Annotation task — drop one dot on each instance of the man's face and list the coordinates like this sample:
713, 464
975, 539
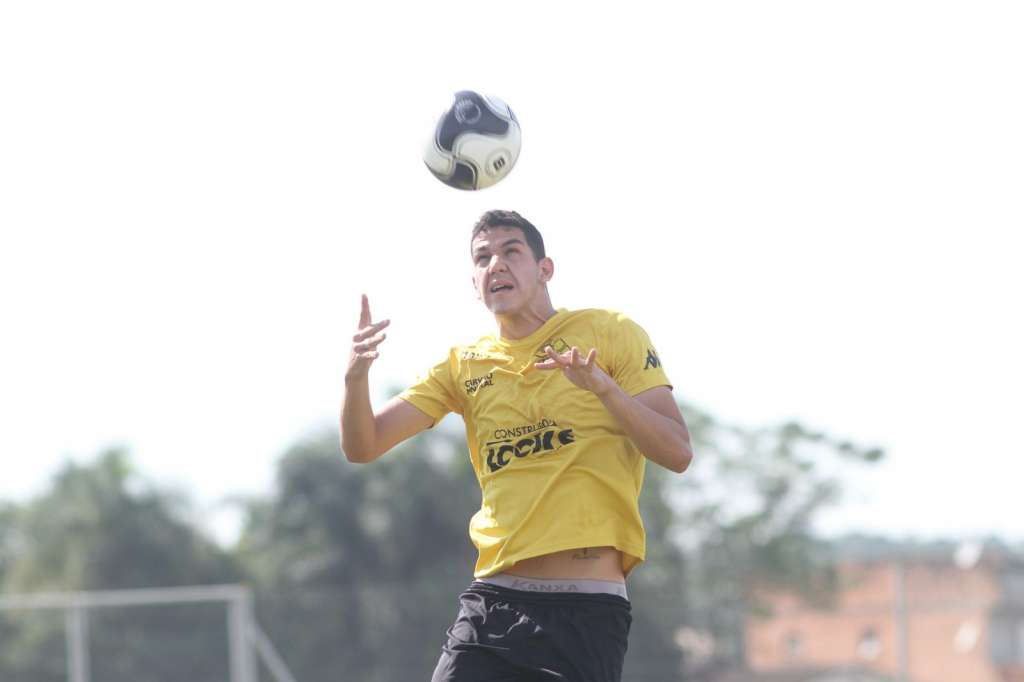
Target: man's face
506, 276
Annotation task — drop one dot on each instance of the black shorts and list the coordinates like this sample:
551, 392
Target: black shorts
504, 635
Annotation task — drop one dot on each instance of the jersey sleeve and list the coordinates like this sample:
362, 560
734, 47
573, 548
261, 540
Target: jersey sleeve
635, 364
434, 394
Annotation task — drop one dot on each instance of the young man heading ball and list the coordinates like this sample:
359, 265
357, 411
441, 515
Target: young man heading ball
562, 410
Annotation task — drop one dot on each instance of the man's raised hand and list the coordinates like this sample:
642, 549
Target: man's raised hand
584, 372
365, 342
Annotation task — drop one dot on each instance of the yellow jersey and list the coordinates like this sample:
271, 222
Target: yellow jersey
556, 470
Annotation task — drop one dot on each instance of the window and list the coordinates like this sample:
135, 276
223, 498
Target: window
794, 645
966, 637
869, 647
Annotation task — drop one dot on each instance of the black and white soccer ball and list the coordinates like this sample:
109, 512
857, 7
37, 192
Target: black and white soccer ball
476, 142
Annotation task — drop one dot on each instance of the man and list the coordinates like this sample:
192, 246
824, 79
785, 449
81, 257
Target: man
561, 409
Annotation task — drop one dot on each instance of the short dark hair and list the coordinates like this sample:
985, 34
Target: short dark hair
498, 218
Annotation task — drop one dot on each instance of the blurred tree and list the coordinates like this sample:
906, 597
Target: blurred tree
8, 519
656, 591
371, 556
746, 512
326, 520
358, 566
375, 556
100, 527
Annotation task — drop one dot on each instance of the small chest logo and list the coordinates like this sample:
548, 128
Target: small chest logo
559, 345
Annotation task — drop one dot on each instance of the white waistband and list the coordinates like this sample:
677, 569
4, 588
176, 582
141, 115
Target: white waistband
550, 585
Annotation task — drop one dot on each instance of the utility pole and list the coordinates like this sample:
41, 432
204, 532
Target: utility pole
902, 619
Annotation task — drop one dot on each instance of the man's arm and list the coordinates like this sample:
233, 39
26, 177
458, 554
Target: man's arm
365, 436
651, 419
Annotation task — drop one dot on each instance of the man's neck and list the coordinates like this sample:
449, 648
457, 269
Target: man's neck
525, 322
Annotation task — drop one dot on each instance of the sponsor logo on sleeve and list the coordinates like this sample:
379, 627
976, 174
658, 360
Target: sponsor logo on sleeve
652, 360
476, 384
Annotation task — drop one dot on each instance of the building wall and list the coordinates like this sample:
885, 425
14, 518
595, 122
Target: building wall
940, 611
941, 647
1012, 674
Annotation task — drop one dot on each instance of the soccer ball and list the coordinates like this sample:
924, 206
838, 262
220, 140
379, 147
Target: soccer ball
476, 142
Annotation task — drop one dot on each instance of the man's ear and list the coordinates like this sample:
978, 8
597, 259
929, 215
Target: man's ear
547, 269
477, 289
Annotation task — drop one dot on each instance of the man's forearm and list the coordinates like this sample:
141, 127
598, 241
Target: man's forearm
358, 430
661, 439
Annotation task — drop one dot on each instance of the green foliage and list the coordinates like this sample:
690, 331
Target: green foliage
375, 556
747, 509
656, 589
98, 529
370, 555
358, 567
94, 530
8, 530
334, 523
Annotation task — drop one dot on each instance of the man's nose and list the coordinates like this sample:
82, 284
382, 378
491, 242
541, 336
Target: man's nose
497, 264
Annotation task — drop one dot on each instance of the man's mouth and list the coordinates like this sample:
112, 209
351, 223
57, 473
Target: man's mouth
495, 288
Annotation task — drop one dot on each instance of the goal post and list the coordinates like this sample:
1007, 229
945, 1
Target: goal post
247, 644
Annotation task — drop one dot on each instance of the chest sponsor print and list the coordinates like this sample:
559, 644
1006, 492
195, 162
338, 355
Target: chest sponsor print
519, 442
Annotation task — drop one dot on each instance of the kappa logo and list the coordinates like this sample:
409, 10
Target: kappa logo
652, 360
474, 385
500, 453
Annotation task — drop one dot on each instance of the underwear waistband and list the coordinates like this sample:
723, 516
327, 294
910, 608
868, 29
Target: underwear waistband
556, 586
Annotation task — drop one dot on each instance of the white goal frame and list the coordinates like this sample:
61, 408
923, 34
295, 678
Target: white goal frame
248, 645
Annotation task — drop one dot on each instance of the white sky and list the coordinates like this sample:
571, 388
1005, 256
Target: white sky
814, 208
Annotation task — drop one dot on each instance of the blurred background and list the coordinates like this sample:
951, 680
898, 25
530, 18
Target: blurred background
813, 208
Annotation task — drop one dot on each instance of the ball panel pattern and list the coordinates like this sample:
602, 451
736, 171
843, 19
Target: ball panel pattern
475, 143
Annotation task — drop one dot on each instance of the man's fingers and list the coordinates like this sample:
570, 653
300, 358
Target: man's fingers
545, 364
364, 313
363, 334
370, 343
591, 356
370, 355
574, 356
555, 357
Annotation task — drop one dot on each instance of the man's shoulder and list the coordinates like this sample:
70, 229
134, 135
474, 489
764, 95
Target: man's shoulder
604, 317
593, 314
